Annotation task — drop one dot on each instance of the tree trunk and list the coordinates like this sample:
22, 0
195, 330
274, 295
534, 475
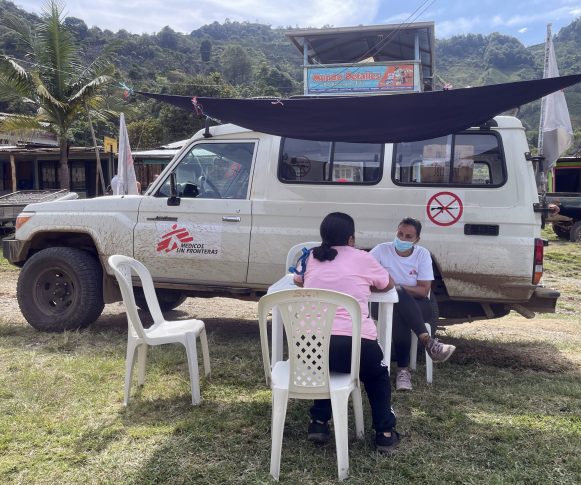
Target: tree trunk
64, 176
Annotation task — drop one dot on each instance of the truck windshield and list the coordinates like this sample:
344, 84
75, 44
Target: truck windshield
213, 171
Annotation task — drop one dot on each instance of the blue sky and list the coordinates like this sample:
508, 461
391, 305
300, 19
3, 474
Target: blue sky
523, 19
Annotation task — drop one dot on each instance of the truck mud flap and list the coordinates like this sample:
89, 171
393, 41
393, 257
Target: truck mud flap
544, 300
13, 249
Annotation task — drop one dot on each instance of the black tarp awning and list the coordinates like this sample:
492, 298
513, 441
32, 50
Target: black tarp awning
372, 119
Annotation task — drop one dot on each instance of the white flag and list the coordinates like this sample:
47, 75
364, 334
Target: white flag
126, 182
557, 130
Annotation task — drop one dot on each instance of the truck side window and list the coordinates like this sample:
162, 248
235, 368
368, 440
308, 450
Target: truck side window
213, 171
466, 159
323, 162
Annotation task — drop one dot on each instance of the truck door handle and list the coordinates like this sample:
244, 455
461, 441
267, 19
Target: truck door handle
231, 218
163, 218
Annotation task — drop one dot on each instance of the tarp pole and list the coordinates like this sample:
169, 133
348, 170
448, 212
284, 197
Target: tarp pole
305, 63
98, 168
548, 41
13, 172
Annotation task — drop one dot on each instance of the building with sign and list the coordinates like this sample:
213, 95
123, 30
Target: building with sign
381, 59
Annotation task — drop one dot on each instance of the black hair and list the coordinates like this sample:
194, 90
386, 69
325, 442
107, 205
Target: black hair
336, 229
410, 221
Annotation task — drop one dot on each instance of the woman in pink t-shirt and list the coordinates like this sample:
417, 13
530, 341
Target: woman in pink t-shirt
337, 265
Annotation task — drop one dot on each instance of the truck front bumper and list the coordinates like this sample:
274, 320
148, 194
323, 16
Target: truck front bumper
14, 251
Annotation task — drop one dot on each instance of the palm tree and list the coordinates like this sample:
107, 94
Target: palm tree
52, 78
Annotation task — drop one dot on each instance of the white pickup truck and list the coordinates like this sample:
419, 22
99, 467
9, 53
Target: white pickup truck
222, 216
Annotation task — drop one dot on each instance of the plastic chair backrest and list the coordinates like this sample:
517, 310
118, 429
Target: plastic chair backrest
308, 316
123, 268
295, 252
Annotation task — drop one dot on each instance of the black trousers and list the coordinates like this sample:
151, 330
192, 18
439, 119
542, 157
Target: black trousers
409, 313
372, 372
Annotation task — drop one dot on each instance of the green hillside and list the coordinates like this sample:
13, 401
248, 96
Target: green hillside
243, 59
475, 60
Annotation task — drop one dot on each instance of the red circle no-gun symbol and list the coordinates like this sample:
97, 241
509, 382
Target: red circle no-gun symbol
444, 208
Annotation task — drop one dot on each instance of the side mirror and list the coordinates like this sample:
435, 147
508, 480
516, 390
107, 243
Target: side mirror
173, 200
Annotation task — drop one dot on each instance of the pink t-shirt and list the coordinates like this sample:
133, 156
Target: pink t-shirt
353, 271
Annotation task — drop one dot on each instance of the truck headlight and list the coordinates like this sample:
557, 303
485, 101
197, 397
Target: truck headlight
22, 219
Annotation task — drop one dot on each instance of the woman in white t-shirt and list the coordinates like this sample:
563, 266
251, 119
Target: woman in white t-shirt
410, 267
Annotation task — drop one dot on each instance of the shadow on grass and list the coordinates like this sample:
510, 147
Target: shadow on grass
111, 330
534, 355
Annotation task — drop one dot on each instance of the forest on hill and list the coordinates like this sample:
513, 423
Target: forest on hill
244, 59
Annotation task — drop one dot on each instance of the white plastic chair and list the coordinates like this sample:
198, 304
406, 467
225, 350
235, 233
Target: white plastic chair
295, 252
308, 318
161, 332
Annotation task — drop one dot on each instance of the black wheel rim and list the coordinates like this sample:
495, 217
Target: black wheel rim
54, 291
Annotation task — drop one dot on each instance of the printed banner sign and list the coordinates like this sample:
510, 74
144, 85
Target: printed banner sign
189, 240
361, 78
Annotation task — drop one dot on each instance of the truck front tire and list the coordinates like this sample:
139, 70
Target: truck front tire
61, 289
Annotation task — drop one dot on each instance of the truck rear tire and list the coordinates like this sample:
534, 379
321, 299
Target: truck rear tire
167, 299
561, 232
575, 232
61, 289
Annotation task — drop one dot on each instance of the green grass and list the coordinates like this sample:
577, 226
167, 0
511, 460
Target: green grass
505, 409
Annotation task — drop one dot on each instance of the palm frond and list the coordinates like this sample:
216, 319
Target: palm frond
106, 115
90, 89
99, 67
43, 92
21, 28
14, 123
58, 49
15, 82
10, 91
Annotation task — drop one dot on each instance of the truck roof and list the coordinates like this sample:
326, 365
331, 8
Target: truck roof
231, 129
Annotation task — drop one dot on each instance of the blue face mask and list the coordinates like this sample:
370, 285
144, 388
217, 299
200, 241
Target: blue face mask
402, 246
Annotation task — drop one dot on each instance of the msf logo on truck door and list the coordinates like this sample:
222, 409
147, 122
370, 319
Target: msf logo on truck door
189, 240
173, 239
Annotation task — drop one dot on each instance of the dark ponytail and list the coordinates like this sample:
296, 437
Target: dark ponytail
336, 229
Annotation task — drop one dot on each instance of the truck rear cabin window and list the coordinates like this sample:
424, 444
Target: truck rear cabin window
320, 162
470, 160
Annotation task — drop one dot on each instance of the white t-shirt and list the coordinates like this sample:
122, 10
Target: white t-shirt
405, 270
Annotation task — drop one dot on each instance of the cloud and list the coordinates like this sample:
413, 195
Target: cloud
461, 25
184, 16
523, 30
541, 15
396, 19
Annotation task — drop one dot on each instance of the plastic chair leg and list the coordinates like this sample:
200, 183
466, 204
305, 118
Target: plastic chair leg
429, 363
279, 405
414, 356
358, 412
339, 404
129, 360
414, 351
205, 352
141, 362
192, 354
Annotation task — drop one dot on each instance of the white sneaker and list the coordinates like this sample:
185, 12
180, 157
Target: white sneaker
403, 381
